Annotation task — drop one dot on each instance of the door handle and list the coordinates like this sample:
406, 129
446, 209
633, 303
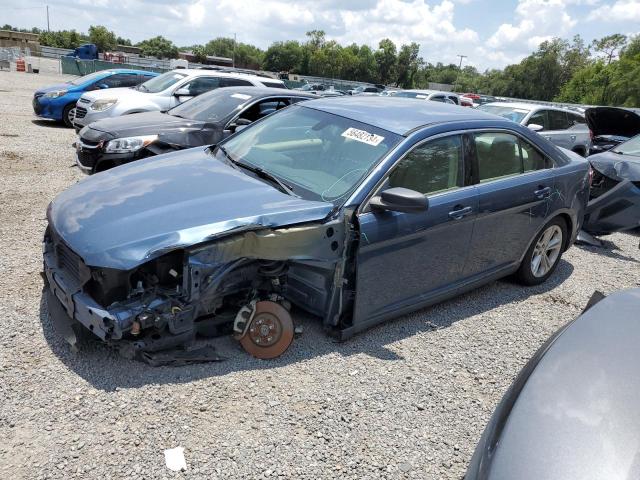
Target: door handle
573, 137
460, 212
542, 192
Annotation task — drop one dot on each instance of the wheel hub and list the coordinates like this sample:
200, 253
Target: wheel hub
270, 332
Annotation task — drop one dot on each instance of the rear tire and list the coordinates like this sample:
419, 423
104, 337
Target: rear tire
544, 254
69, 114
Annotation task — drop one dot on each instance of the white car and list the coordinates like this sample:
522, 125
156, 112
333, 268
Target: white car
433, 95
161, 93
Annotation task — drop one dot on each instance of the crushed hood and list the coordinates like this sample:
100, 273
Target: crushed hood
147, 123
125, 216
623, 122
616, 166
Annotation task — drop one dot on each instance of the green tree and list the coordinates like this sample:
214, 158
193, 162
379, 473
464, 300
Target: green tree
199, 53
103, 38
158, 47
386, 61
123, 41
609, 46
284, 57
408, 64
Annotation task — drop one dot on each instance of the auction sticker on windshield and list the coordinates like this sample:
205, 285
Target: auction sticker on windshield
362, 136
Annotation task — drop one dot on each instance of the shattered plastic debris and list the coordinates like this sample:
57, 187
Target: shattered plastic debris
174, 458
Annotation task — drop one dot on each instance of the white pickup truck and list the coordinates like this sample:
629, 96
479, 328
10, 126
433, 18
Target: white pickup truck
565, 128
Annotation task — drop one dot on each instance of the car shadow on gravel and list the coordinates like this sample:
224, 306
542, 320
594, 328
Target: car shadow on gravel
103, 368
610, 249
49, 123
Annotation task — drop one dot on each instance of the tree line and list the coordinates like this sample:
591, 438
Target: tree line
605, 72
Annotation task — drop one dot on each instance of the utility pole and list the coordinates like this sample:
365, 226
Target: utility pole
234, 50
461, 57
48, 30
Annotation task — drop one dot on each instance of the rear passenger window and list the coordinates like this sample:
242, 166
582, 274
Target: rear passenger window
575, 119
532, 159
558, 120
434, 167
502, 155
234, 82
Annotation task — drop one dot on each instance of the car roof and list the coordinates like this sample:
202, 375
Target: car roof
531, 106
428, 92
201, 72
256, 92
395, 114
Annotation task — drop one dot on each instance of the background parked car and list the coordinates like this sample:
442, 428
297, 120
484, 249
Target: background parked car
366, 90
354, 209
161, 93
614, 204
58, 102
572, 412
205, 120
565, 128
611, 126
433, 95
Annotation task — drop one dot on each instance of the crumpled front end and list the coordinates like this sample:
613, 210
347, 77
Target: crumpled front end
614, 203
243, 283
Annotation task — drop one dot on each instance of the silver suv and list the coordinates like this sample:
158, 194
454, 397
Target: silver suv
160, 93
565, 128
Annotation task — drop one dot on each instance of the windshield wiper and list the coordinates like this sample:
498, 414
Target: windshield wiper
260, 172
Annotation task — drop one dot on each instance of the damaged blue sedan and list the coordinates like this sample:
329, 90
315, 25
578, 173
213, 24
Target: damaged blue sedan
355, 210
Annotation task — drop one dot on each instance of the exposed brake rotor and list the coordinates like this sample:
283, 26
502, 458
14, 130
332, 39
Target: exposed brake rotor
270, 332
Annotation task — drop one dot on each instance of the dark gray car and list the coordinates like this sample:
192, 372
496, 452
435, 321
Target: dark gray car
572, 412
204, 120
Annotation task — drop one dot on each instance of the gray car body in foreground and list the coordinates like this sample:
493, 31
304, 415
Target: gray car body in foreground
184, 236
572, 412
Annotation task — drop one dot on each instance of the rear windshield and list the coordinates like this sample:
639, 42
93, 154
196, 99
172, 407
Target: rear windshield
211, 106
632, 147
510, 113
161, 82
92, 77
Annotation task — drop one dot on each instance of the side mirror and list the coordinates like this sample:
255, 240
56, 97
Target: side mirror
103, 85
400, 199
182, 92
242, 122
535, 127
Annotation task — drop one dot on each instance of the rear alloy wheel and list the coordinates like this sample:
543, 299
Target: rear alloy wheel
543, 256
69, 115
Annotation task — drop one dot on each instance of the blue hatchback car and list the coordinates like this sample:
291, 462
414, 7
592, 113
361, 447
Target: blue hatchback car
58, 102
356, 210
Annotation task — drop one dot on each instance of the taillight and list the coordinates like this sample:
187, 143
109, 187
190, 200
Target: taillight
590, 135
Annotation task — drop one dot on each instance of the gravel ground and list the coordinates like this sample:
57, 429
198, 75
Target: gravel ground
408, 399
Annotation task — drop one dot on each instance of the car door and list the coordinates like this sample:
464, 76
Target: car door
515, 186
408, 259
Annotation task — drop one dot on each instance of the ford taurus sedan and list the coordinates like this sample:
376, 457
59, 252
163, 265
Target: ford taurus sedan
356, 210
205, 120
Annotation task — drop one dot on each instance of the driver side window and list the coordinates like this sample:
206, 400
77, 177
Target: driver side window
539, 118
434, 167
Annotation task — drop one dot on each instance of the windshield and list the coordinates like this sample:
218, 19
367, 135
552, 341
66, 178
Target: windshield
632, 147
161, 82
211, 106
320, 155
510, 113
411, 95
92, 77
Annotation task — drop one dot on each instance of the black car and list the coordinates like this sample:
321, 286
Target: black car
610, 126
204, 120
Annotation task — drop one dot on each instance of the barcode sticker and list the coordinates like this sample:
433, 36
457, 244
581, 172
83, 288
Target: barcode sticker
362, 136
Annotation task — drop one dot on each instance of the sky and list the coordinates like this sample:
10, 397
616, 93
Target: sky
491, 34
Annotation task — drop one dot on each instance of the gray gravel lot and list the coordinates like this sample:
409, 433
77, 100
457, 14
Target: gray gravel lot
408, 399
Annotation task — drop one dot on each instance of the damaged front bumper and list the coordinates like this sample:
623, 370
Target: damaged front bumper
615, 210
